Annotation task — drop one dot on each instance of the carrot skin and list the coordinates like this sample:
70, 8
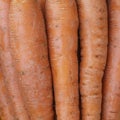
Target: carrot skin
41, 4
29, 46
7, 65
5, 104
93, 44
62, 26
111, 88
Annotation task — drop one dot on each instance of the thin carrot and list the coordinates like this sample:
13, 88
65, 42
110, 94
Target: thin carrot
62, 26
7, 64
93, 43
111, 89
29, 46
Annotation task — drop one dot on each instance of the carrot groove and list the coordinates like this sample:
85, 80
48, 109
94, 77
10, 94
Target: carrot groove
29, 46
7, 64
93, 43
41, 4
111, 89
62, 26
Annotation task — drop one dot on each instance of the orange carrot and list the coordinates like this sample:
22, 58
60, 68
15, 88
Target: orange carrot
29, 46
9, 72
62, 27
93, 43
111, 89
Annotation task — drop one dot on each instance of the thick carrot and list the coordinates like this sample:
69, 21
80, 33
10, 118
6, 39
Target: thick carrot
62, 26
93, 43
29, 46
111, 89
9, 72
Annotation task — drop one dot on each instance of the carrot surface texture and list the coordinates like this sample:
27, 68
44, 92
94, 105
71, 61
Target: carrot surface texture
41, 4
5, 106
29, 46
62, 27
111, 89
7, 66
93, 44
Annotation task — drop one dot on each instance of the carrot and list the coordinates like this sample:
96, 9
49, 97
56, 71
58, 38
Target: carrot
29, 46
62, 26
41, 4
5, 106
93, 44
9, 72
111, 89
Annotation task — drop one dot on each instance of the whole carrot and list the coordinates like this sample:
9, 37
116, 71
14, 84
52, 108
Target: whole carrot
62, 26
7, 64
111, 89
29, 46
93, 43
